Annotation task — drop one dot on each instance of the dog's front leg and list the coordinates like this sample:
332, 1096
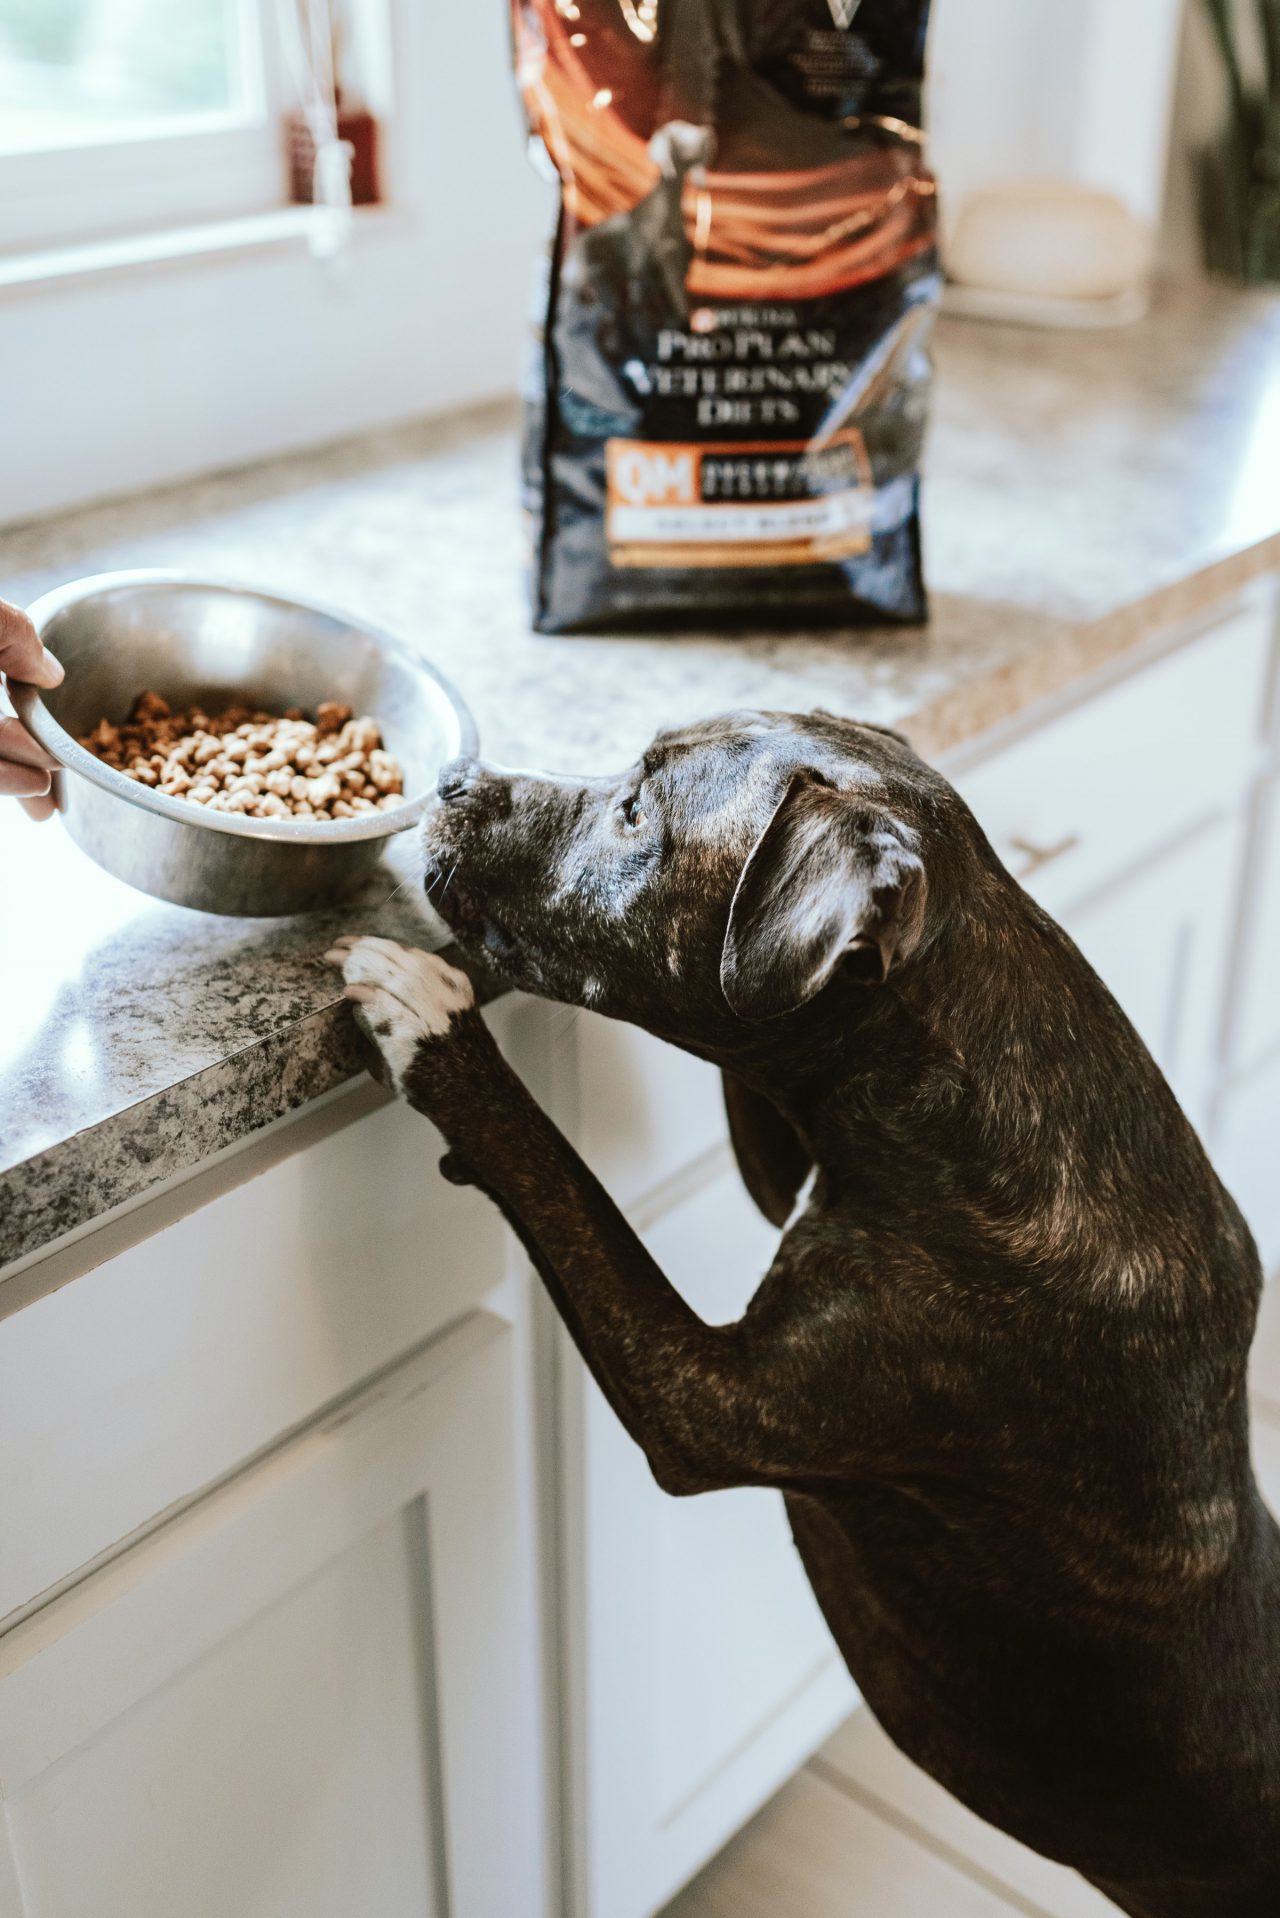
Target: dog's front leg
683, 1389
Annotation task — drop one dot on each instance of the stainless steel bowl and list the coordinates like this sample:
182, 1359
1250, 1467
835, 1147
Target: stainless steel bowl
200, 642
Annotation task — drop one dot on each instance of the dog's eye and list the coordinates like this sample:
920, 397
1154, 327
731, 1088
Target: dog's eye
633, 812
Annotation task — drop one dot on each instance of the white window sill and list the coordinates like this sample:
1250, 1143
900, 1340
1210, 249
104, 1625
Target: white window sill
287, 226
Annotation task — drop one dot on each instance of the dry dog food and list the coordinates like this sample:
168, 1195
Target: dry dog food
725, 407
267, 767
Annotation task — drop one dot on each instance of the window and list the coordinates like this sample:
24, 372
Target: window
125, 115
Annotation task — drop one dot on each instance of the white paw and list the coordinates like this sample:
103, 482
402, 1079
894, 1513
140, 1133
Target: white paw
404, 996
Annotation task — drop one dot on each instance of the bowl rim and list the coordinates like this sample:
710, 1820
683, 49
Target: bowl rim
73, 757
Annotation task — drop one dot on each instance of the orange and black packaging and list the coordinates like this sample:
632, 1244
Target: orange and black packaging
725, 407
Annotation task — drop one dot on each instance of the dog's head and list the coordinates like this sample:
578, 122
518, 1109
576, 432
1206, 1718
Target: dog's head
743, 867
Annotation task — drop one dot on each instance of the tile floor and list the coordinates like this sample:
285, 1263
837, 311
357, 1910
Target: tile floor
861, 1833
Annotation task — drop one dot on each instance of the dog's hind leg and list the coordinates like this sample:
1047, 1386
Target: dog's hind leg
684, 1390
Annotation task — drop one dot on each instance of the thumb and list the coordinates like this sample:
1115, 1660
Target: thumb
21, 654
47, 672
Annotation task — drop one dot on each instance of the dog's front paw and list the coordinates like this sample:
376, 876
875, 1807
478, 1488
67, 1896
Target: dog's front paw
404, 999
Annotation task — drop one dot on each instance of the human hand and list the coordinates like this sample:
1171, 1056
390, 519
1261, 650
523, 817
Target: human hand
25, 767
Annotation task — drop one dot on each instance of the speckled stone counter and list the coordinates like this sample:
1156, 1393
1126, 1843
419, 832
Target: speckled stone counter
1083, 490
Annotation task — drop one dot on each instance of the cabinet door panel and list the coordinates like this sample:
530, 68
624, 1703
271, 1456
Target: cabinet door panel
708, 1673
167, 1367
646, 1108
312, 1694
737, 1629
1247, 1155
1161, 939
1256, 1021
281, 1775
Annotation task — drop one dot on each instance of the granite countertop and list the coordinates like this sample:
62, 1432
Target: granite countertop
1082, 490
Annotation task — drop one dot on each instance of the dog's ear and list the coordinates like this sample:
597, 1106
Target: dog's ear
831, 882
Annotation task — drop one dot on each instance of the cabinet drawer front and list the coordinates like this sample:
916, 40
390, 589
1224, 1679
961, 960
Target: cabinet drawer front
646, 1109
164, 1368
1090, 793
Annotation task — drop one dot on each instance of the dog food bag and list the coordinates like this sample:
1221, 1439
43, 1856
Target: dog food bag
725, 410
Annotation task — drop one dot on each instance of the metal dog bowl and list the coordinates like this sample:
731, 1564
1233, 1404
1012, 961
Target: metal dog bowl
209, 644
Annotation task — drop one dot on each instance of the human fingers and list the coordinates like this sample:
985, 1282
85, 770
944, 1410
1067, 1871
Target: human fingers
18, 781
22, 655
17, 747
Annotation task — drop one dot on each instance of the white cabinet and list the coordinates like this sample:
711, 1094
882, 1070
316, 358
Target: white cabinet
1255, 1023
1075, 800
1247, 1133
164, 1368
1125, 816
702, 1674
1246, 1151
1161, 938
310, 1696
645, 1111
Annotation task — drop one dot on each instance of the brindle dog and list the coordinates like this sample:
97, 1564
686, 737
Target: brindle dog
997, 1368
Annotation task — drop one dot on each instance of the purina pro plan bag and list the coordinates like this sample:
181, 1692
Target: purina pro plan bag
724, 414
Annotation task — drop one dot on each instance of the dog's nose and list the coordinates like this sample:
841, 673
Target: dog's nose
456, 777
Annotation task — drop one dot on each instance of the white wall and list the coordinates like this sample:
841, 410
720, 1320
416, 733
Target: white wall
132, 379
990, 114
1036, 89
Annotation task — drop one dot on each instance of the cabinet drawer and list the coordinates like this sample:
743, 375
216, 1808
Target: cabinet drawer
646, 1109
1090, 793
162, 1369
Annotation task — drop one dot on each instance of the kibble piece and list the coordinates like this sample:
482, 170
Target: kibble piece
385, 773
360, 736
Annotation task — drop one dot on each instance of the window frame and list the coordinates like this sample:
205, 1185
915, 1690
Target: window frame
169, 172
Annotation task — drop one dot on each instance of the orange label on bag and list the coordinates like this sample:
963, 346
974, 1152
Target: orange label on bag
733, 504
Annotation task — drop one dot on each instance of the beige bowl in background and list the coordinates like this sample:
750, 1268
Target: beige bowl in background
1049, 240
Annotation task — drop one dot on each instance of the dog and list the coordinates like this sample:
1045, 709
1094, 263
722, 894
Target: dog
997, 1368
